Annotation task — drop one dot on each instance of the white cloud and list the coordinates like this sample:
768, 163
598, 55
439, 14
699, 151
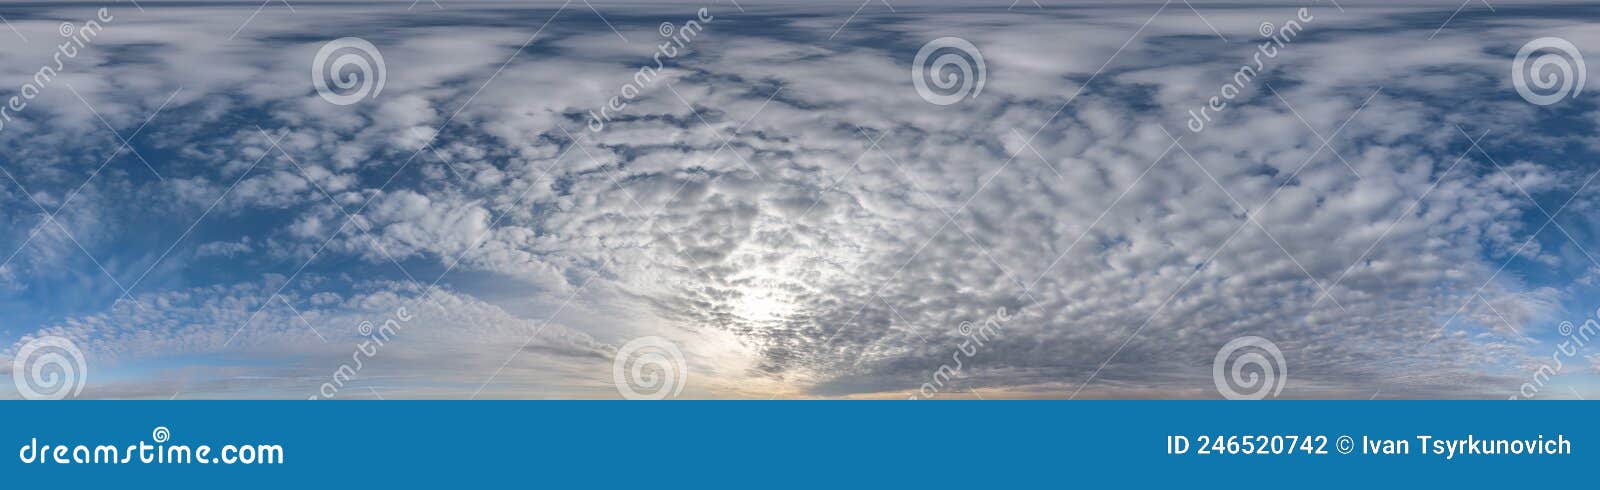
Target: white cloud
802, 257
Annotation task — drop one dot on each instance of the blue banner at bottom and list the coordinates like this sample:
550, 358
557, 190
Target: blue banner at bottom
796, 444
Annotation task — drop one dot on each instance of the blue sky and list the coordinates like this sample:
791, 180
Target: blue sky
783, 206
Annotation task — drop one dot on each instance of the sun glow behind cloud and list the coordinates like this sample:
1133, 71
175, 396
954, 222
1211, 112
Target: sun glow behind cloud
782, 204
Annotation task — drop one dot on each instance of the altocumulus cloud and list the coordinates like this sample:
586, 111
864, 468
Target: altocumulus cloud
783, 204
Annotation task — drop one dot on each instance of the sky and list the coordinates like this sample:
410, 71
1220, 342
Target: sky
804, 201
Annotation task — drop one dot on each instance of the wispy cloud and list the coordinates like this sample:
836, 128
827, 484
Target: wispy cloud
789, 210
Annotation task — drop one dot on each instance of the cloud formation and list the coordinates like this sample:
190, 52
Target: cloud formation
783, 204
